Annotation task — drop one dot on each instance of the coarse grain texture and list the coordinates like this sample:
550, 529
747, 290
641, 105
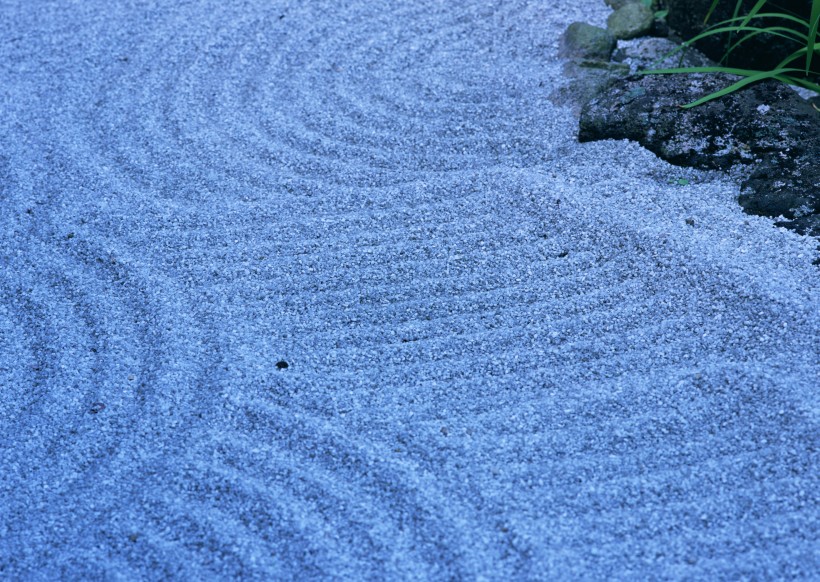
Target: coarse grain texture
509, 356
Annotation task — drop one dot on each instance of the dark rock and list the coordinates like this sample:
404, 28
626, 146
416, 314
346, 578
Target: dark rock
630, 21
659, 27
808, 225
646, 109
585, 41
739, 127
765, 124
786, 183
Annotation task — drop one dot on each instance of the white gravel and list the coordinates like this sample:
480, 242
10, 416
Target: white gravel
509, 356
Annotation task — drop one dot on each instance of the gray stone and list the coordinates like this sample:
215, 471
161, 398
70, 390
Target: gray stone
584, 41
587, 79
765, 125
630, 21
653, 53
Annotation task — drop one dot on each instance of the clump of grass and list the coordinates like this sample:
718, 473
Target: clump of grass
793, 70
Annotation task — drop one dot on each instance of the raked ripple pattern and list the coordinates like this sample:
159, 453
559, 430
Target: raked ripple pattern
489, 373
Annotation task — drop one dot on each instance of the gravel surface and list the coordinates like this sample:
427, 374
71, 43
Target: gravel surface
312, 290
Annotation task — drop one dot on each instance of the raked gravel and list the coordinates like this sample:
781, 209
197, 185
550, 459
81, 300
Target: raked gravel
509, 356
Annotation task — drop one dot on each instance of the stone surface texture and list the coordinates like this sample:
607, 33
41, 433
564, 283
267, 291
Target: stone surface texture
657, 53
588, 78
787, 183
582, 40
766, 125
630, 21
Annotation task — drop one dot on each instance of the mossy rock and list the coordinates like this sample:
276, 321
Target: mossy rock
631, 21
584, 41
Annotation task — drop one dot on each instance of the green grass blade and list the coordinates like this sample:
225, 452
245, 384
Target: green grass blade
797, 55
738, 4
800, 81
740, 25
759, 76
798, 36
780, 15
811, 42
686, 44
780, 31
711, 9
755, 9
787, 33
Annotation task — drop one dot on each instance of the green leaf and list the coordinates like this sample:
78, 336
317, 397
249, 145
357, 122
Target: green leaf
784, 72
780, 31
813, 20
709, 12
759, 76
799, 37
801, 82
750, 76
718, 69
779, 15
755, 9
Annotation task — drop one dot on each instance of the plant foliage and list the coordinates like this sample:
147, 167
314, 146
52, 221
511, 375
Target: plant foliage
793, 70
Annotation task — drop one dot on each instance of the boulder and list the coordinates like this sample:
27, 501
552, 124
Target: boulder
584, 41
765, 125
631, 21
